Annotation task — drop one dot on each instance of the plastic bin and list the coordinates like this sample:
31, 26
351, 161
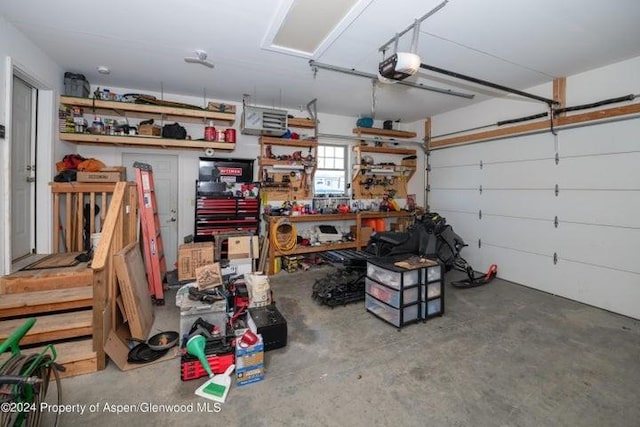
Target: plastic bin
76, 85
432, 308
433, 273
432, 290
208, 313
393, 278
391, 296
390, 314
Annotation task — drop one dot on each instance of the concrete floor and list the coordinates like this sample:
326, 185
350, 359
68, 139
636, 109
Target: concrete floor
502, 355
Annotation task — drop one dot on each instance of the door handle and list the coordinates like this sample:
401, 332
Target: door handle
30, 179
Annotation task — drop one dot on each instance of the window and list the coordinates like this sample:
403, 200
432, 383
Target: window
331, 173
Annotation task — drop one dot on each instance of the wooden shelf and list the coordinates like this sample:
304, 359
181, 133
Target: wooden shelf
141, 141
398, 170
299, 250
299, 122
402, 173
82, 187
145, 110
356, 217
387, 133
283, 163
269, 140
384, 150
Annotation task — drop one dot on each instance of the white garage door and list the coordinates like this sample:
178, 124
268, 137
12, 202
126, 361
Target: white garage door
503, 198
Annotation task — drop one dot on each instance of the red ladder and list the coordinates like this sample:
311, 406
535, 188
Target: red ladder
152, 240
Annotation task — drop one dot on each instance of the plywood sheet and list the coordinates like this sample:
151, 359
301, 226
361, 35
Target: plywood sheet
132, 282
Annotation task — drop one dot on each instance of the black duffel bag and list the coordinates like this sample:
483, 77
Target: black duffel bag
174, 131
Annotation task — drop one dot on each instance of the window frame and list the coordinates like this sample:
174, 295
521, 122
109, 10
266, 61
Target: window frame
344, 169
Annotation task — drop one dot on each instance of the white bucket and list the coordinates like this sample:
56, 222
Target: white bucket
95, 239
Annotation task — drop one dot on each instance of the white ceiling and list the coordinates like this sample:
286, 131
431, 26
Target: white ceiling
515, 43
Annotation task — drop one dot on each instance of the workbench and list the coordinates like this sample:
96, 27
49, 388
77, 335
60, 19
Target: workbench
321, 219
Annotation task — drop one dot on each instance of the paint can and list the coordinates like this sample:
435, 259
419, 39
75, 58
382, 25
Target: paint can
230, 135
209, 133
220, 136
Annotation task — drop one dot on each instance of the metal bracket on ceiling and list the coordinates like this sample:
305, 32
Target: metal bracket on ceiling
352, 71
417, 22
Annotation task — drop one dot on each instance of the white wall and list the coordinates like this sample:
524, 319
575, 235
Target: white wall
19, 52
597, 241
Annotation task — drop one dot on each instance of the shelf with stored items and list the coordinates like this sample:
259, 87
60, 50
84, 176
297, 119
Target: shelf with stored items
286, 171
372, 178
357, 218
386, 133
129, 110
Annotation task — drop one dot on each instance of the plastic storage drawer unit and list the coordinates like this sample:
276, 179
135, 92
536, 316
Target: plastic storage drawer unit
391, 278
432, 292
391, 296
389, 314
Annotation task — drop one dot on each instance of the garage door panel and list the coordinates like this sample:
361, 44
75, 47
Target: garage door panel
526, 147
525, 235
526, 204
604, 246
453, 199
527, 175
612, 172
611, 290
463, 177
469, 154
605, 208
531, 270
620, 136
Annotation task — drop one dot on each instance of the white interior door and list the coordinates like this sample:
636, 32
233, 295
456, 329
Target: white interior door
165, 177
22, 169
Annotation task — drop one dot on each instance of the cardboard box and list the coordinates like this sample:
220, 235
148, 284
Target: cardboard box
192, 256
239, 247
398, 226
110, 174
209, 276
221, 108
149, 130
365, 233
249, 375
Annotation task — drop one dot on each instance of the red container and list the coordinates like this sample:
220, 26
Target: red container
249, 338
230, 135
209, 133
192, 369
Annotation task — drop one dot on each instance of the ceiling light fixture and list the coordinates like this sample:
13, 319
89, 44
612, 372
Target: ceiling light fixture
102, 69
